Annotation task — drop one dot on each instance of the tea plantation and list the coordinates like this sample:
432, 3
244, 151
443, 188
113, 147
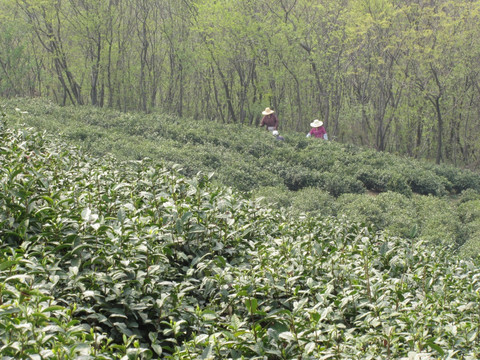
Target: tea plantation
416, 200
104, 258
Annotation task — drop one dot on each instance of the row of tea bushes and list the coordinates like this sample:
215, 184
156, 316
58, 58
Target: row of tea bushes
439, 220
299, 173
102, 259
242, 156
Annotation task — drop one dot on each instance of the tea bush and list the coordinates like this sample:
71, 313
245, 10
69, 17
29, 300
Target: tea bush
465, 180
469, 211
383, 180
248, 158
314, 201
371, 178
400, 215
131, 260
396, 182
273, 196
472, 242
425, 182
389, 211
361, 209
468, 195
458, 179
143, 135
439, 222
297, 177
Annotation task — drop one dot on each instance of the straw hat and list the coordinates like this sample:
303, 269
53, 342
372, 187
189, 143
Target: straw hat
267, 111
316, 123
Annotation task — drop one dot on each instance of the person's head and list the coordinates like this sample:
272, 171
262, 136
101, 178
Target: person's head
275, 133
267, 111
316, 123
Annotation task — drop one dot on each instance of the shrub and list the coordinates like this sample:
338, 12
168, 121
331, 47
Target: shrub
370, 178
469, 214
400, 216
313, 200
337, 184
439, 222
424, 182
471, 247
298, 177
278, 196
382, 180
301, 144
396, 182
469, 211
466, 179
358, 208
469, 195
458, 179
448, 172
389, 211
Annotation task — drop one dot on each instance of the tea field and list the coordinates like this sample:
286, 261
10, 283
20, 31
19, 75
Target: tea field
104, 257
411, 198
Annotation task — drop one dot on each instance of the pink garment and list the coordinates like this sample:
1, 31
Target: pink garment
318, 132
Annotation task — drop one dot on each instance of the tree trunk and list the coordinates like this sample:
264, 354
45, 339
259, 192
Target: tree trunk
95, 72
440, 130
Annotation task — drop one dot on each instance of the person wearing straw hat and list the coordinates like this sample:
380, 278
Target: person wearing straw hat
317, 131
269, 119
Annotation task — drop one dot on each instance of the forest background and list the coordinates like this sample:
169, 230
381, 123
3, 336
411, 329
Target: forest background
399, 76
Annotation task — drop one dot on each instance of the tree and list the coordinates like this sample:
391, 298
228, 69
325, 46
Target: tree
46, 21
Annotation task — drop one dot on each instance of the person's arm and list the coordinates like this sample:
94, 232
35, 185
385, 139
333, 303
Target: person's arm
309, 133
276, 122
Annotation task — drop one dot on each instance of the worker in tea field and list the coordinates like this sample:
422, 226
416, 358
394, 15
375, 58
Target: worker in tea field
269, 119
317, 131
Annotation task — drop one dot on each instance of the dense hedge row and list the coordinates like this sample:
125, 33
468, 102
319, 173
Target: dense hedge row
102, 259
317, 177
243, 157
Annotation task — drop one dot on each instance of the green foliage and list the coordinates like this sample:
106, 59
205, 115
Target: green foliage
431, 219
337, 183
273, 196
439, 221
362, 209
242, 157
112, 260
469, 214
312, 200
250, 160
469, 195
425, 182
382, 180
466, 180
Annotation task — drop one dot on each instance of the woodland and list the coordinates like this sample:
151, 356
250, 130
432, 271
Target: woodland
398, 76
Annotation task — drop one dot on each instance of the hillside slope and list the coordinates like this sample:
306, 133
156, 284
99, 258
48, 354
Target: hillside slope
317, 177
242, 156
106, 259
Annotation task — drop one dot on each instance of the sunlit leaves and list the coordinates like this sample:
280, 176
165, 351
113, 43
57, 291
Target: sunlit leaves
144, 263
